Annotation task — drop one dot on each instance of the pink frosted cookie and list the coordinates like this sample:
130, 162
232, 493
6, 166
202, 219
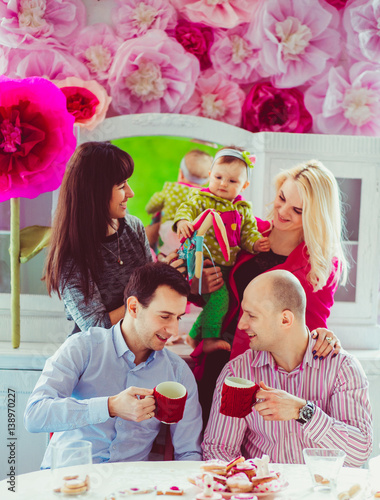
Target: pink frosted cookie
239, 483
269, 484
248, 468
173, 490
219, 479
244, 496
215, 496
216, 466
234, 462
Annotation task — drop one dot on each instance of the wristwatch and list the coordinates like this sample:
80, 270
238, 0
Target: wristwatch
306, 413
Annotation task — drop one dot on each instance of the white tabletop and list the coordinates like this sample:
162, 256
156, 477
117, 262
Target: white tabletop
106, 478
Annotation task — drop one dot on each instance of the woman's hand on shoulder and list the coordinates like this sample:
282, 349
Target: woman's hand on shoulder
326, 343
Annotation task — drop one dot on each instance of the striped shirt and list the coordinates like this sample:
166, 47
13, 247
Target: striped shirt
343, 418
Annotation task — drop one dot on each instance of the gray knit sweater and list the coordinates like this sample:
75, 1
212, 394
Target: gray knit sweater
109, 288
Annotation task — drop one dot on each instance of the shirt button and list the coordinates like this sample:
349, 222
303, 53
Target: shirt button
114, 447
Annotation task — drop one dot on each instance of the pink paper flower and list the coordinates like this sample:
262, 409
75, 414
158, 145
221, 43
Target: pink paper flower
152, 74
197, 39
268, 109
235, 56
347, 102
87, 101
338, 4
95, 46
25, 20
217, 98
217, 13
36, 137
361, 21
4, 57
133, 18
299, 40
45, 61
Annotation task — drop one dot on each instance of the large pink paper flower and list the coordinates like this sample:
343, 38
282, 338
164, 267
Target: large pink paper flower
25, 20
133, 18
268, 109
95, 46
195, 38
4, 57
338, 4
299, 40
152, 74
36, 137
235, 56
217, 13
361, 21
347, 102
217, 98
87, 101
42, 60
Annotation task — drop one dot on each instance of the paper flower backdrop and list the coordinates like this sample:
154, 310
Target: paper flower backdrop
88, 101
36, 137
184, 56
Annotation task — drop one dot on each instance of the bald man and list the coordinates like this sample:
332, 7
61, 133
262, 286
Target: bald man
303, 402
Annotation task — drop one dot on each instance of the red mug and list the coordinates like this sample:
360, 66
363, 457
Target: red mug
170, 401
238, 397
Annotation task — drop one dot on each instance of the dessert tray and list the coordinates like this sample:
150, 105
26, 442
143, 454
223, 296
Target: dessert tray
241, 478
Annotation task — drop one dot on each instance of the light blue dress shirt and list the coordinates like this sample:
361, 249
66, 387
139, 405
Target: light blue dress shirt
71, 398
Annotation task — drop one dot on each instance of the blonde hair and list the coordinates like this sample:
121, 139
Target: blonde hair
198, 163
322, 220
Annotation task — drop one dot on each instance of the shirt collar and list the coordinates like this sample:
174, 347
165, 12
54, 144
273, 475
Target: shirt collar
308, 358
121, 346
262, 358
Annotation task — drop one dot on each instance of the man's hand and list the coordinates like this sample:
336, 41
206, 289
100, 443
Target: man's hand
276, 404
132, 404
212, 278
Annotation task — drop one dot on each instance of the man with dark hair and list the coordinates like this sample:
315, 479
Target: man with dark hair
95, 386
302, 402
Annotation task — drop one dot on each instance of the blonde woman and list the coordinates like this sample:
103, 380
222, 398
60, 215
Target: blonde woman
305, 230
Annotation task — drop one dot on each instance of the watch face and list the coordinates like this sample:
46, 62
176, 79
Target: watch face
307, 413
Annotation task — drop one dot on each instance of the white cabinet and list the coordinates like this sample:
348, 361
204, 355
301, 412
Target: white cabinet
18, 444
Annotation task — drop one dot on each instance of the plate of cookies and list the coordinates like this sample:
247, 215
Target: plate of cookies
243, 479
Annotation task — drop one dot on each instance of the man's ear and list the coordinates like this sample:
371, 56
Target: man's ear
287, 318
132, 306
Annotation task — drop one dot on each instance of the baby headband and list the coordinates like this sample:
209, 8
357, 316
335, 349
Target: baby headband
191, 178
245, 156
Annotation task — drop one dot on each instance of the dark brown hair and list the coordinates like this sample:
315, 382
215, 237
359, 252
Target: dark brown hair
82, 216
145, 280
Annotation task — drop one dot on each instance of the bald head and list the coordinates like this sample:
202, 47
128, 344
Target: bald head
281, 289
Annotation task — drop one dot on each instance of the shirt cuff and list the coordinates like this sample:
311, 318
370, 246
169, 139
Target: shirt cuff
98, 410
318, 426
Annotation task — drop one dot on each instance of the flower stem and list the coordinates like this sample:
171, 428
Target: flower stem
15, 271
